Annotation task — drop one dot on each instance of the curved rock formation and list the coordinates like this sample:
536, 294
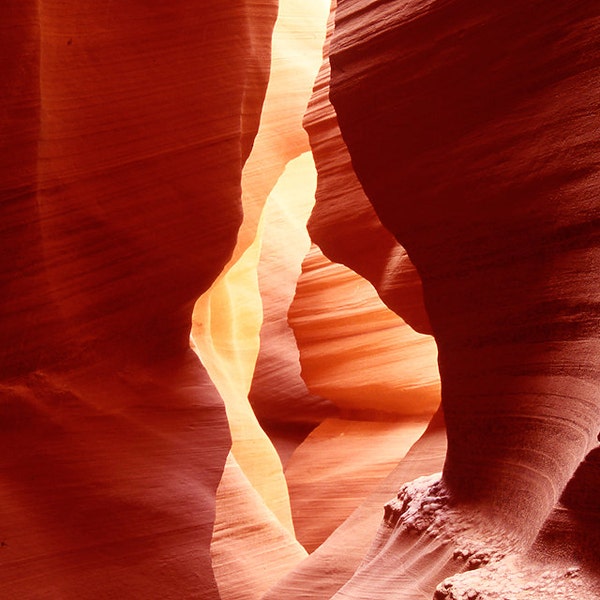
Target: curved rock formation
228, 318
127, 129
343, 222
355, 351
457, 172
331, 565
279, 395
474, 138
381, 375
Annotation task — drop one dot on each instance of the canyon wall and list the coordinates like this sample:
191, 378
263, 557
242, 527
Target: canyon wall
226, 294
459, 137
124, 134
473, 131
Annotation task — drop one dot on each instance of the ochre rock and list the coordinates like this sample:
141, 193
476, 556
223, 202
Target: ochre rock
381, 375
355, 351
340, 463
331, 565
468, 146
279, 396
228, 318
251, 550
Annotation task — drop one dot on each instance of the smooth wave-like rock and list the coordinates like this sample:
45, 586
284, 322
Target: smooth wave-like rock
229, 330
355, 351
338, 466
343, 223
279, 395
380, 374
251, 549
156, 176
127, 127
228, 317
331, 565
474, 138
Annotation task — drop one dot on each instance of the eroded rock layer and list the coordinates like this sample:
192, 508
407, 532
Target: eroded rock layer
456, 171
355, 351
475, 137
343, 223
127, 129
468, 161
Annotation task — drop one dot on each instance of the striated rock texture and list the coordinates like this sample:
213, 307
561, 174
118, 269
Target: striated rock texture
343, 223
468, 142
473, 129
279, 394
124, 133
380, 374
355, 351
332, 564
253, 515
152, 181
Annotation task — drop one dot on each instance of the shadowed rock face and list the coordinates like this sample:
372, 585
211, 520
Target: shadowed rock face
473, 130
459, 138
343, 222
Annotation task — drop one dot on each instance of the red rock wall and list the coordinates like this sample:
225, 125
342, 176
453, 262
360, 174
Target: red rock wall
459, 137
473, 131
343, 223
457, 172
127, 129
475, 138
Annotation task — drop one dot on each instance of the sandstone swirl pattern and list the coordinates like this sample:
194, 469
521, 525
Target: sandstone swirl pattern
160, 163
474, 131
125, 128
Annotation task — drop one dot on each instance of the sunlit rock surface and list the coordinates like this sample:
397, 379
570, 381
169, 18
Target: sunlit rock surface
339, 321
380, 374
156, 176
227, 318
279, 395
251, 549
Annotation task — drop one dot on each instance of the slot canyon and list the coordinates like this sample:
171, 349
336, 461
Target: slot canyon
300, 300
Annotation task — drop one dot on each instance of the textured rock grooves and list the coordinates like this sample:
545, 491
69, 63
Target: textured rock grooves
459, 137
155, 173
125, 128
343, 222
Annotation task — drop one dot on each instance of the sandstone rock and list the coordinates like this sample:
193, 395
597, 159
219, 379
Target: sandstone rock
148, 169
459, 138
127, 129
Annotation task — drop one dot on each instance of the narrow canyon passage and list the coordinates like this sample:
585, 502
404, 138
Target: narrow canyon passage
248, 248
